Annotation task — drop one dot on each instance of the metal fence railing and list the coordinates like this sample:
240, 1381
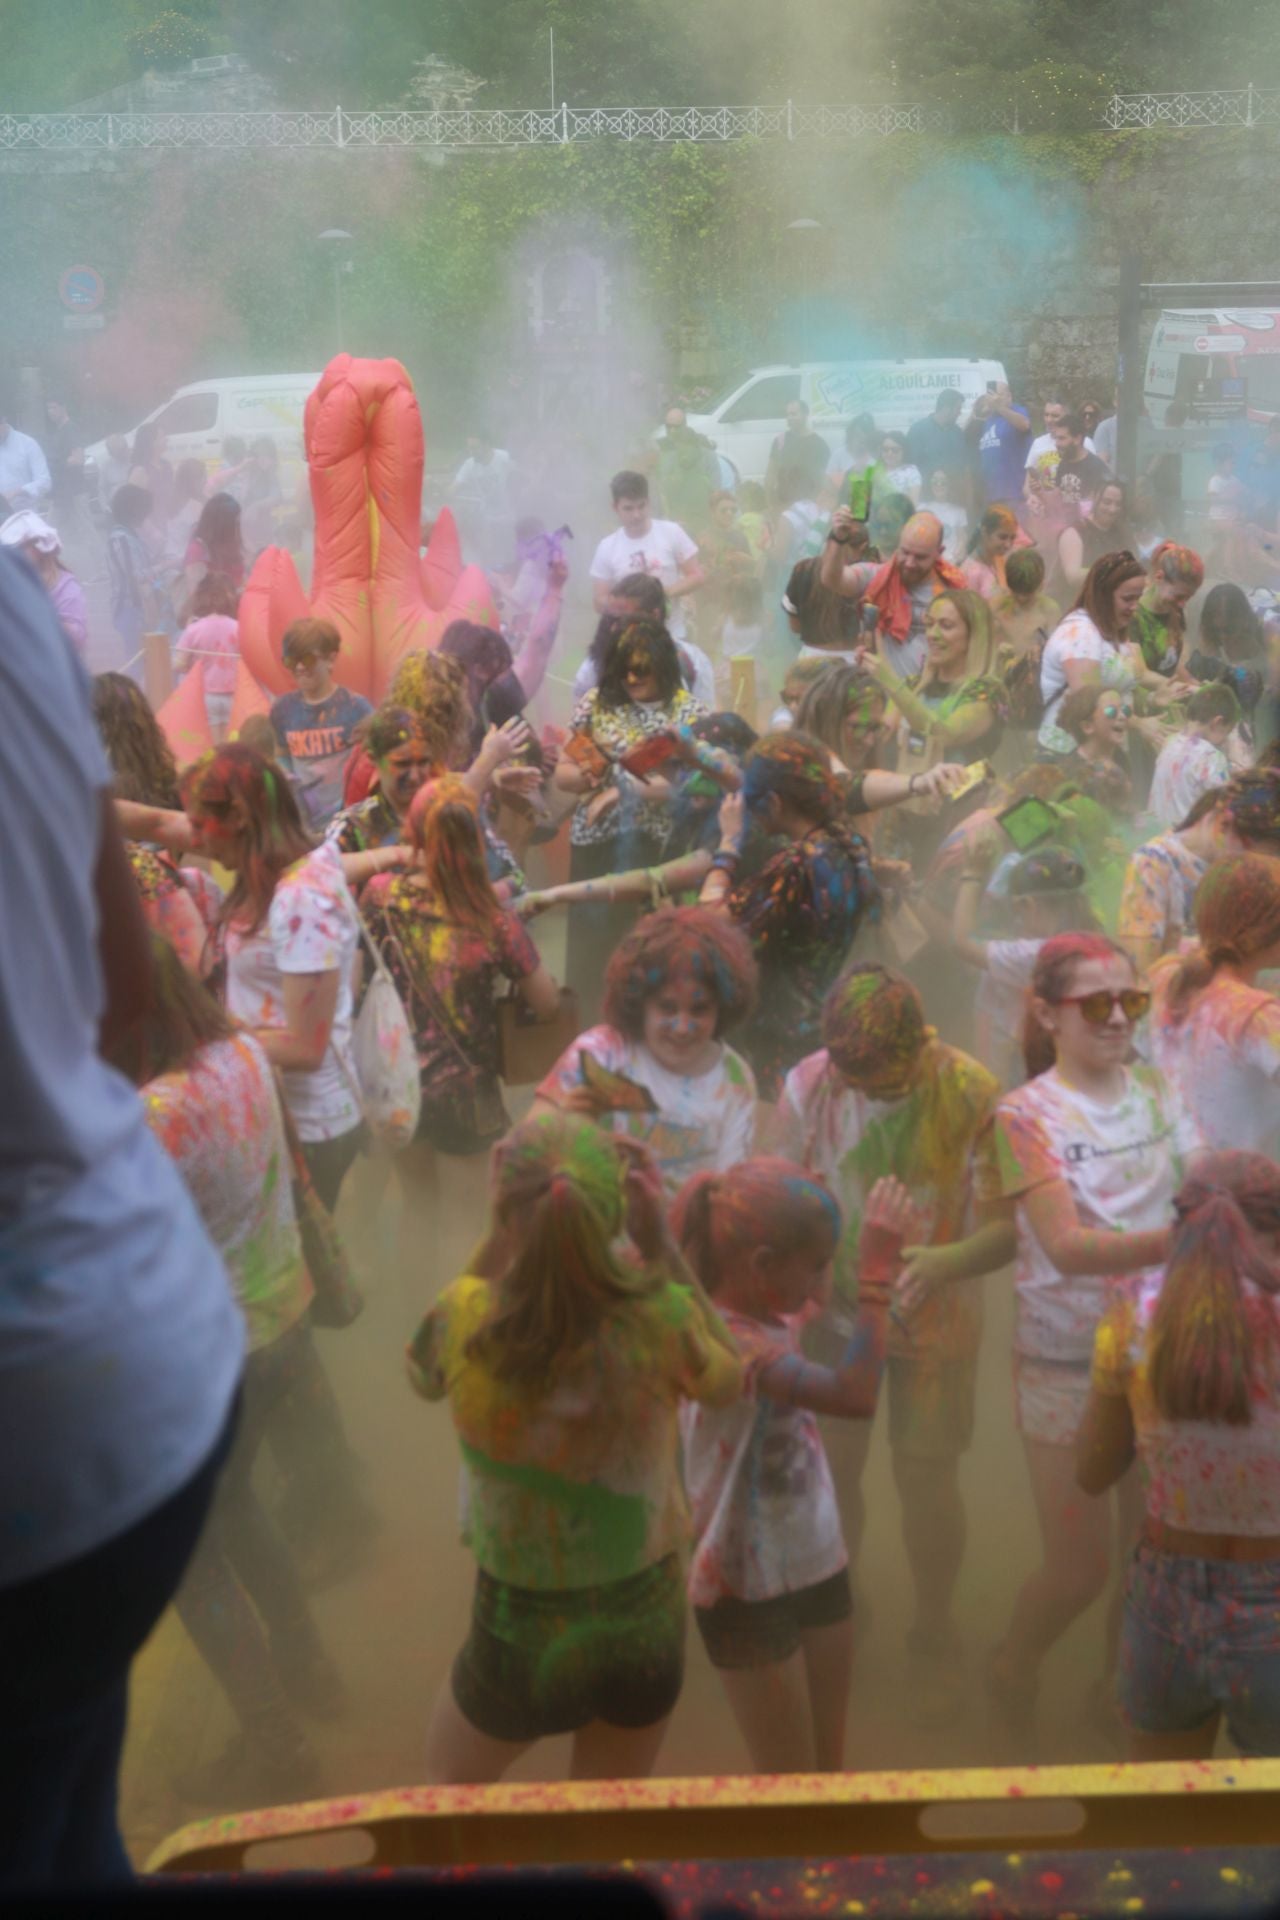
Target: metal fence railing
1224, 107
462, 128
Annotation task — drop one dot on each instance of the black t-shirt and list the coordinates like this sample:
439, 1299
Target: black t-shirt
931, 445
62, 443
1079, 480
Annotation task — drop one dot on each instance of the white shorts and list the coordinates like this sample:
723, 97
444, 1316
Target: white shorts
1050, 1396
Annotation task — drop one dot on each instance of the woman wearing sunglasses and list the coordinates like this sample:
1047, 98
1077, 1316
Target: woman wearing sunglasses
1214, 1032
1086, 1158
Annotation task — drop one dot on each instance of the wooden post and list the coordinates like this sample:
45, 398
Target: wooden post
743, 696
157, 669
1131, 370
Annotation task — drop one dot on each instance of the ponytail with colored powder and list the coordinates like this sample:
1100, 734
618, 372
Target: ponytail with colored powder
721, 1218
560, 1183
1237, 915
443, 828
1212, 1341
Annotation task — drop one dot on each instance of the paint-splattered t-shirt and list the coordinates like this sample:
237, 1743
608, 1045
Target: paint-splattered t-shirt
704, 1123
1187, 767
1205, 1476
616, 732
168, 905
802, 912
446, 976
765, 1519
579, 1484
1221, 1058
1076, 639
927, 1141
1123, 1164
1159, 892
311, 927
219, 1119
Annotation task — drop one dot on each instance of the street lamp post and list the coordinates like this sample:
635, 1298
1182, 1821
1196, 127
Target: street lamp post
806, 227
337, 239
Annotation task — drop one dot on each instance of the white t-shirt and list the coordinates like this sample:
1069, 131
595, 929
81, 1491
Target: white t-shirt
955, 528
1187, 766
662, 552
1222, 1059
310, 928
704, 676
765, 1519
1123, 1164
120, 1343
704, 1123
1000, 1005
1075, 638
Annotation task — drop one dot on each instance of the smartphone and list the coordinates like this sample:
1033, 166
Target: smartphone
614, 1090
980, 774
1027, 822
993, 386
859, 501
649, 755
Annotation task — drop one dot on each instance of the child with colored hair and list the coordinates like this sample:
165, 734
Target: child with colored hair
886, 1099
1084, 1161
1185, 1376
658, 1069
1194, 760
1215, 1030
564, 1353
769, 1577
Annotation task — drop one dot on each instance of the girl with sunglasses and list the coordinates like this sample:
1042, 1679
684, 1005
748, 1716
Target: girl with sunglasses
1214, 1032
1085, 1159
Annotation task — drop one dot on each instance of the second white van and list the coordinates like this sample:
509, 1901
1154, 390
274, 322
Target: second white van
746, 420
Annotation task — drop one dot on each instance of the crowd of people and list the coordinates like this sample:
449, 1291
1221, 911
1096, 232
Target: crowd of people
915, 840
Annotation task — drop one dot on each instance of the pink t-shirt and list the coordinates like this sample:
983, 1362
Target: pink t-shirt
213, 643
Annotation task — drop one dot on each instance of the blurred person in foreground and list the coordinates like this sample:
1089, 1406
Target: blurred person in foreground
120, 1344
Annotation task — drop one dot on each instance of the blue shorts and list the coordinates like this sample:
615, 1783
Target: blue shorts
1202, 1637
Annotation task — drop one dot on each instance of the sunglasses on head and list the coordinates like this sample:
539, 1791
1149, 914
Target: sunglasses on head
1097, 1007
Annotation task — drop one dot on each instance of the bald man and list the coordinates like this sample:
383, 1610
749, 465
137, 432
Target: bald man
900, 589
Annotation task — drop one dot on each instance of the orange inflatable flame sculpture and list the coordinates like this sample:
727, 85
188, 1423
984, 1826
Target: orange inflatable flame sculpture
365, 451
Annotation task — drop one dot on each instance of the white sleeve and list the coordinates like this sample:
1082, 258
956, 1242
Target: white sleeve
682, 547
600, 568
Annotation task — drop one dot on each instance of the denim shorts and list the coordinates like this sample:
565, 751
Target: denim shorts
764, 1633
1202, 1637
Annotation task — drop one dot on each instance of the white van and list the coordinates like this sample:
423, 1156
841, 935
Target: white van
744, 423
200, 417
1219, 364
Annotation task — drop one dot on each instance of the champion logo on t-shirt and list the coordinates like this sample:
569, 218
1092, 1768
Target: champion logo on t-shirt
1077, 1152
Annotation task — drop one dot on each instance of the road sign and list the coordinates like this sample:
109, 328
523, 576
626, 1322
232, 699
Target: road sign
81, 289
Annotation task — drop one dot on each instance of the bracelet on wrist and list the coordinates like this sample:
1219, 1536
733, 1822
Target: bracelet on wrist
912, 788
726, 859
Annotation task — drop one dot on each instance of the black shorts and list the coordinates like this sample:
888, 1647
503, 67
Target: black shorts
537, 1663
763, 1633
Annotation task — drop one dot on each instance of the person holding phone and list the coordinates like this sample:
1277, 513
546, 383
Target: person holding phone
954, 709
679, 982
